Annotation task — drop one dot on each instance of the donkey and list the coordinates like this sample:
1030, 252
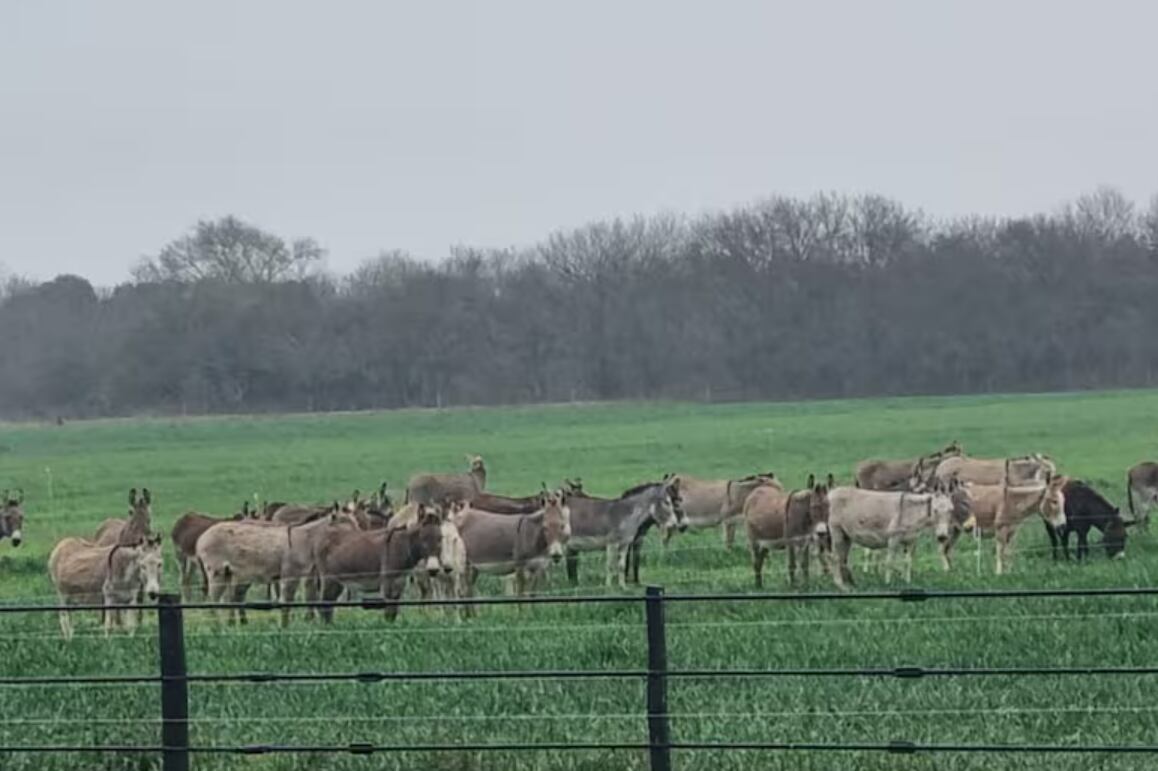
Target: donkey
614, 524
85, 573
877, 519
380, 559
1086, 508
294, 514
504, 504
522, 545
432, 488
186, 531
235, 555
1001, 509
12, 517
1142, 483
711, 503
897, 475
790, 520
1023, 470
132, 530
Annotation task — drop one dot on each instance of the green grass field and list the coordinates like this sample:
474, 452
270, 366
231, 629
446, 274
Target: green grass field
79, 474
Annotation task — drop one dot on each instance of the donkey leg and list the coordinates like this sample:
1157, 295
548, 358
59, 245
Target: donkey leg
890, 552
758, 553
183, 575
624, 555
804, 557
612, 561
729, 532
573, 567
216, 590
289, 590
910, 549
1002, 539
331, 590
791, 553
1083, 545
65, 620
841, 573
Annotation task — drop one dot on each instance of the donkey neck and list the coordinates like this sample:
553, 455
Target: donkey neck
639, 507
401, 552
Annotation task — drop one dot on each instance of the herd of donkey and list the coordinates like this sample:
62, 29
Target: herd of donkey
451, 528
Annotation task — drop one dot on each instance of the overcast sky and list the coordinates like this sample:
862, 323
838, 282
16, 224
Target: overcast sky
374, 125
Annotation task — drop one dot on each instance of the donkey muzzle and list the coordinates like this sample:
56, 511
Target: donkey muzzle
17, 538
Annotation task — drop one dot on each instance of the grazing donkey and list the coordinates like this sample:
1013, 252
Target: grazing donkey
1142, 483
878, 519
133, 530
380, 560
1086, 508
12, 517
791, 520
614, 525
898, 475
434, 488
85, 573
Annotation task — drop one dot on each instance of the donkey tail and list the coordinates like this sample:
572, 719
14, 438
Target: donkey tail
1130, 497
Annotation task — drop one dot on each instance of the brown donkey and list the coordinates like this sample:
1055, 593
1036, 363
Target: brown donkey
132, 530
791, 520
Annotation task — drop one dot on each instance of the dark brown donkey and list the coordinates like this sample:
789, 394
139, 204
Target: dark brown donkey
368, 560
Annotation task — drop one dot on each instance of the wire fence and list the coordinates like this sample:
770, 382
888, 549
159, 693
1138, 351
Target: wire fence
174, 680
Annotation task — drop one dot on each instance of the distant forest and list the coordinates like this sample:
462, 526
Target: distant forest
831, 296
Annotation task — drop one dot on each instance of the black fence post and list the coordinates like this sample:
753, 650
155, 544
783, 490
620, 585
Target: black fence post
174, 688
658, 729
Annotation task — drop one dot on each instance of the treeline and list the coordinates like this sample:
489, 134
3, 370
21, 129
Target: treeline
831, 296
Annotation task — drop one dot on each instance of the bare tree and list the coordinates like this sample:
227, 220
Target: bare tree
233, 251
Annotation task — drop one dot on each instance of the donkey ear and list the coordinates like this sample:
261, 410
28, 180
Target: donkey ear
811, 481
831, 481
133, 496
19, 495
148, 497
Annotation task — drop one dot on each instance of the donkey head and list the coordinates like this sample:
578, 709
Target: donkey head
556, 525
426, 532
12, 516
150, 565
818, 504
141, 506
1053, 502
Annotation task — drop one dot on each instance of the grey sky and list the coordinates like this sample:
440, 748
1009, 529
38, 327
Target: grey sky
373, 125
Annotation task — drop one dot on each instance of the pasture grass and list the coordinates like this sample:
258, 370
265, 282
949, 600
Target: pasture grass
78, 474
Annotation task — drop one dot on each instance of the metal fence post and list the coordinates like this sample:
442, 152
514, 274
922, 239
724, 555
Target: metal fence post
658, 729
174, 688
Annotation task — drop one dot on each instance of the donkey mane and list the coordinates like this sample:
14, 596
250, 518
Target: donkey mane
638, 489
758, 475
